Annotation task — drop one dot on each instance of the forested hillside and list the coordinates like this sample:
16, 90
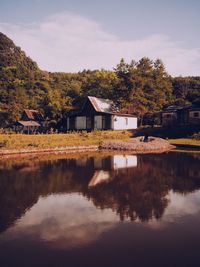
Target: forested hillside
137, 87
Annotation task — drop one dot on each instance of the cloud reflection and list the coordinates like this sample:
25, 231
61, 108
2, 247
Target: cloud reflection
65, 221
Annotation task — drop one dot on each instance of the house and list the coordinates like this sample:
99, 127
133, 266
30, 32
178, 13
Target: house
100, 114
32, 115
194, 115
180, 115
110, 165
31, 121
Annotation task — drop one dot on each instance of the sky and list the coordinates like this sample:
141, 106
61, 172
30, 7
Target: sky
69, 36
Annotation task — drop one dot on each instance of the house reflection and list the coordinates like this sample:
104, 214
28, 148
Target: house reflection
113, 163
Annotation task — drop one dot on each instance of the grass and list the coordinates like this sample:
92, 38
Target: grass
185, 142
18, 141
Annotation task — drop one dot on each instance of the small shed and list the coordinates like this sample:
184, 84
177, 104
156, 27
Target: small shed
100, 114
26, 126
32, 115
31, 121
174, 115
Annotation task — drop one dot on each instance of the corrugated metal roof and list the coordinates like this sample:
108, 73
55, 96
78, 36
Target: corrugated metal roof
29, 123
33, 114
102, 105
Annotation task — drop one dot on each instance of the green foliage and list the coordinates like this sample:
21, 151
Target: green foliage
186, 89
137, 88
144, 86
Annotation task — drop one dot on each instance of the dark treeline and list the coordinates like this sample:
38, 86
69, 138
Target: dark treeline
137, 87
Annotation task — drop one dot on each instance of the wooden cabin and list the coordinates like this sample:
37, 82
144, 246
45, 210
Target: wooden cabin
181, 115
100, 114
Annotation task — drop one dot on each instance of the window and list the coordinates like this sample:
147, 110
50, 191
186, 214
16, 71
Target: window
196, 114
126, 121
168, 116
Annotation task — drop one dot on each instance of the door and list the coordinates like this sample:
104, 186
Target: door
98, 122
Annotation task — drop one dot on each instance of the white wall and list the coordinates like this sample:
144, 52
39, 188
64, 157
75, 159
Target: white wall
123, 122
80, 123
120, 161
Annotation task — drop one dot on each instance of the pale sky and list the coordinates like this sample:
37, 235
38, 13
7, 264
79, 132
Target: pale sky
70, 36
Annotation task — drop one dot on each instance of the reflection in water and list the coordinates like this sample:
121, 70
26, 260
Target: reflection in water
71, 203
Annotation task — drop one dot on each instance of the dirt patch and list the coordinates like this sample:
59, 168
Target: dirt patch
154, 144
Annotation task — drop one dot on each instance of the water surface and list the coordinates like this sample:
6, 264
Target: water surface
101, 211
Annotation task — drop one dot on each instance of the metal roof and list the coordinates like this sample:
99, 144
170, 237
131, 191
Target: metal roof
29, 123
33, 114
102, 105
174, 108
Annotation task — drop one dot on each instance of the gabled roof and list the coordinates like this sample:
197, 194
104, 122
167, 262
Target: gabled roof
175, 108
172, 108
102, 105
33, 114
99, 177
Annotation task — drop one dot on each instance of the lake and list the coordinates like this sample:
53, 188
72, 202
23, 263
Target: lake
101, 210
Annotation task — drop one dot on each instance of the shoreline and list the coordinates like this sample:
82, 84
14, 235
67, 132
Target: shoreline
133, 145
67, 149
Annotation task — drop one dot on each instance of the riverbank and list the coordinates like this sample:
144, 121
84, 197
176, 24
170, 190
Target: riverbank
13, 144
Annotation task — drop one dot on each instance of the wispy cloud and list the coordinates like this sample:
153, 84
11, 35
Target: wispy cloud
69, 42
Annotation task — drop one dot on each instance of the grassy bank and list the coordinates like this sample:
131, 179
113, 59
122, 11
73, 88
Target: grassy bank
185, 142
168, 132
19, 141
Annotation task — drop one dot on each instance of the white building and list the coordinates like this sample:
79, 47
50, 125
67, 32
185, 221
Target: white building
100, 114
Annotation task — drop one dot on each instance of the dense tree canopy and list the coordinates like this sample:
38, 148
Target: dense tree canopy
137, 87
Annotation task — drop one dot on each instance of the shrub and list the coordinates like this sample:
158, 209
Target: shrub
196, 136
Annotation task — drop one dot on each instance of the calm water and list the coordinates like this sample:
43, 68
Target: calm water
101, 211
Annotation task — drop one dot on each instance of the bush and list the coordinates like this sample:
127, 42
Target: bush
196, 136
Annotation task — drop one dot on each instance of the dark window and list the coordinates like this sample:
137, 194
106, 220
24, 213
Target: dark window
104, 122
168, 116
89, 123
196, 114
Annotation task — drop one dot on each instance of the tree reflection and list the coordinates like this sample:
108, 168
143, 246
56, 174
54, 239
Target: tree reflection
137, 192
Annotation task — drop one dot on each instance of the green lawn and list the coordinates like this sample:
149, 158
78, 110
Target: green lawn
17, 141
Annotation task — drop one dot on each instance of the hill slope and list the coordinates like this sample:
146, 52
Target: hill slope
13, 56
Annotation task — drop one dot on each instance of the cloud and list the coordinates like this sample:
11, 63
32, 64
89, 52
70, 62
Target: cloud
69, 42
180, 206
64, 221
